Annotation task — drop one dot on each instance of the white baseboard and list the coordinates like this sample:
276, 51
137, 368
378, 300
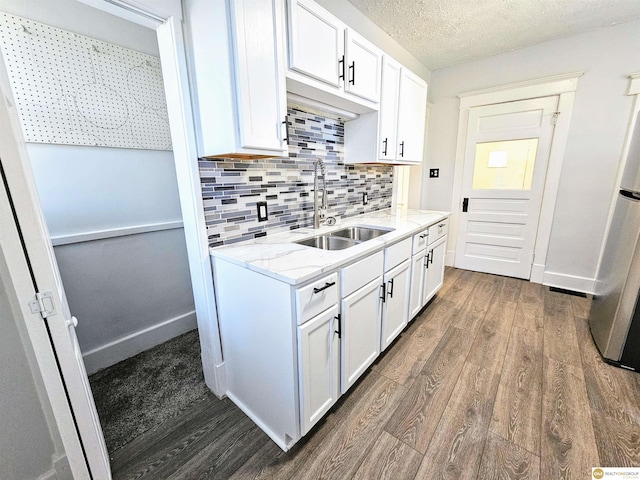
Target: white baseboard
59, 470
569, 282
450, 258
537, 273
134, 343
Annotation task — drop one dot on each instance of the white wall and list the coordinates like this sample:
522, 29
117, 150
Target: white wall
598, 127
114, 217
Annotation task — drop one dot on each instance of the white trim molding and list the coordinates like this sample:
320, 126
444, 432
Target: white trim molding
113, 352
564, 86
113, 233
569, 282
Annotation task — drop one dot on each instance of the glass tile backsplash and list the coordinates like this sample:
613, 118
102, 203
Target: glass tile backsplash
231, 188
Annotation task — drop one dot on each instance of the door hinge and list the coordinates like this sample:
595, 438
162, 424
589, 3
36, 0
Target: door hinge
43, 304
555, 117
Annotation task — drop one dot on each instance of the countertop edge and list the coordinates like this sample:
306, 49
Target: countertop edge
363, 249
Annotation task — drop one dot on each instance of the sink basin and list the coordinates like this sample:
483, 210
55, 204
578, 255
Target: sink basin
327, 242
361, 234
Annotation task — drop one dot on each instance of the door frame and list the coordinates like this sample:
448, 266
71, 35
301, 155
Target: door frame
165, 17
564, 86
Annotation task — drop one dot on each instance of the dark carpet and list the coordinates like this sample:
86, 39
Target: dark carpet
141, 392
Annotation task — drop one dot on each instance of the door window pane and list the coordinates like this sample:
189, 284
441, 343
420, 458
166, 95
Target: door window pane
506, 165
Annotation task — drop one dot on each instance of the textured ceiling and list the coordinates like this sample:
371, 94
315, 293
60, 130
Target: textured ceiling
441, 33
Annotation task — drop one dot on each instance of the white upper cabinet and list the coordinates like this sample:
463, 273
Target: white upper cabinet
389, 108
316, 42
394, 134
362, 67
412, 110
237, 65
329, 62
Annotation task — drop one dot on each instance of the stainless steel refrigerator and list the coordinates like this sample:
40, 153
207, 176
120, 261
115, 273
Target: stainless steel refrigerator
615, 313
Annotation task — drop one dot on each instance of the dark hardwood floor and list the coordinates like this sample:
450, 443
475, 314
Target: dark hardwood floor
496, 379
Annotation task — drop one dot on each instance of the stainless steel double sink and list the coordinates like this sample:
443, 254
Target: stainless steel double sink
344, 238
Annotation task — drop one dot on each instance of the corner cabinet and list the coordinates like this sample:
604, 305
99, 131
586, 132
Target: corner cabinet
238, 71
330, 62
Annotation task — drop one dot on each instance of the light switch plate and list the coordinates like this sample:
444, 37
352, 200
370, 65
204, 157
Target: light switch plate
365, 198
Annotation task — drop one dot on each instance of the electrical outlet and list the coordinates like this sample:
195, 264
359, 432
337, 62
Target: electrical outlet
263, 214
365, 198
434, 172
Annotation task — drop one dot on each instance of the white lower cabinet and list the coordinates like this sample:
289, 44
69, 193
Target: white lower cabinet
292, 350
395, 309
418, 268
319, 366
360, 331
434, 263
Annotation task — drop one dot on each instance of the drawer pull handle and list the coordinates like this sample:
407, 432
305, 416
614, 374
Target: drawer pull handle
431, 256
339, 331
426, 260
391, 288
326, 285
384, 295
424, 235
442, 225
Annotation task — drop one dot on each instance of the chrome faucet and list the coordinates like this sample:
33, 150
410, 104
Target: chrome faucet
319, 211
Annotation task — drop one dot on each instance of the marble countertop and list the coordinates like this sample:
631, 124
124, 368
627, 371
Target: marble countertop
277, 257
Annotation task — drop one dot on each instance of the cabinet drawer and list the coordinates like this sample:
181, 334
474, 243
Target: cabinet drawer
438, 230
396, 254
360, 273
316, 297
420, 241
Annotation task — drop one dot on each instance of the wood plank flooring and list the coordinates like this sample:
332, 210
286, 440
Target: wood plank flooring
496, 379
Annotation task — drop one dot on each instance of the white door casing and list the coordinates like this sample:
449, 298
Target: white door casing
497, 234
565, 86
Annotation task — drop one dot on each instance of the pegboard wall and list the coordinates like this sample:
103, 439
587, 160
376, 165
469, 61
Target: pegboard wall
74, 90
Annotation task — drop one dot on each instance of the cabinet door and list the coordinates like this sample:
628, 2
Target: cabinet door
418, 270
260, 82
389, 97
435, 268
360, 322
395, 311
363, 64
319, 367
316, 42
412, 110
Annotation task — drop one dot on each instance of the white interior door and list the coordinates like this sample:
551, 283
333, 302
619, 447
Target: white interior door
29, 221
506, 156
